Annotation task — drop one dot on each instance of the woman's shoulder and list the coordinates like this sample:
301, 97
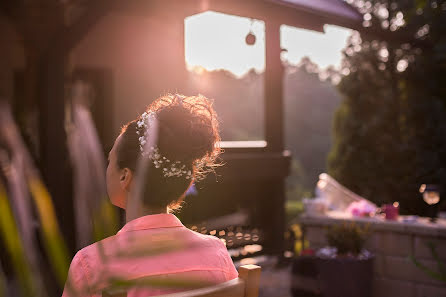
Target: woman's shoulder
217, 247
93, 252
88, 261
209, 240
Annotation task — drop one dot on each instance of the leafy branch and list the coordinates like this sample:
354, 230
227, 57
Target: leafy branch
438, 275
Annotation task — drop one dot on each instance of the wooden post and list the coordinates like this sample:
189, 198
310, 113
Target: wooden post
54, 158
274, 205
251, 276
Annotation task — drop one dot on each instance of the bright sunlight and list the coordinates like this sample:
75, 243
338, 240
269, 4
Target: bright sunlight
217, 41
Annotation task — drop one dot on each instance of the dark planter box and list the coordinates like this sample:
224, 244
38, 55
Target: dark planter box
304, 277
345, 277
340, 277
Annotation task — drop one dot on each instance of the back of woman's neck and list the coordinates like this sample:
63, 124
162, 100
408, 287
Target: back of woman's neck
141, 212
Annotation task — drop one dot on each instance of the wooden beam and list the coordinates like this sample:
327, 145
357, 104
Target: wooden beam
68, 36
256, 9
273, 85
251, 166
10, 9
267, 12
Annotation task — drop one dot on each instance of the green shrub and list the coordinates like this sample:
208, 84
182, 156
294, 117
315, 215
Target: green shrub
347, 238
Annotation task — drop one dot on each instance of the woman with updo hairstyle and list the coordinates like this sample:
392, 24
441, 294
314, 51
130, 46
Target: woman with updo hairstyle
154, 245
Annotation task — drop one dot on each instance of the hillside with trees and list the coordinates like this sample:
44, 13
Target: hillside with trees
309, 105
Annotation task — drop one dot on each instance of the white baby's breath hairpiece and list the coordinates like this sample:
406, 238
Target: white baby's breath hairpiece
169, 168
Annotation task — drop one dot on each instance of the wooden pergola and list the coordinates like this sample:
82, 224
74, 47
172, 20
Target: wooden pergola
51, 29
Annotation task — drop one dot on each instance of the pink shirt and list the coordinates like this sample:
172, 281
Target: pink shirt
159, 246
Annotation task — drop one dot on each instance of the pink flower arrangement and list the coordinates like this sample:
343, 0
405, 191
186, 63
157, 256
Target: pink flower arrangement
361, 208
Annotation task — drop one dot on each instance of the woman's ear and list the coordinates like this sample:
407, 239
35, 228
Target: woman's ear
125, 179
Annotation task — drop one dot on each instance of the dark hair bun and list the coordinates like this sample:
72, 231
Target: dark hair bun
188, 132
188, 129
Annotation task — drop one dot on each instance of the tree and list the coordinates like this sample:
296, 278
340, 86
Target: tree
309, 106
390, 130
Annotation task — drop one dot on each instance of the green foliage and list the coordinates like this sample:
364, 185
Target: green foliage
13, 245
389, 130
293, 208
347, 238
51, 236
438, 275
309, 108
295, 183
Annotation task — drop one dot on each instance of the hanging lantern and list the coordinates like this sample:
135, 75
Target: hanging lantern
250, 38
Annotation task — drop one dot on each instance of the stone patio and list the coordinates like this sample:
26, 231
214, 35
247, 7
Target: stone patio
275, 279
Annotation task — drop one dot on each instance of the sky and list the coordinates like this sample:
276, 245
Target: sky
217, 41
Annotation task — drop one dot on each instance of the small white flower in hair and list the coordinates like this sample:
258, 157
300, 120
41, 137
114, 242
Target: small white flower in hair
173, 168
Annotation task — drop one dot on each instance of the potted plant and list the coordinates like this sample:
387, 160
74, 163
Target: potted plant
345, 268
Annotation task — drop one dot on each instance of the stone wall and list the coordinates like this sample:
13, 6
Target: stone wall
393, 243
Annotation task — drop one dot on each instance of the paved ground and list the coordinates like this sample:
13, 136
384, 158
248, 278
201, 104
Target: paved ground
275, 279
